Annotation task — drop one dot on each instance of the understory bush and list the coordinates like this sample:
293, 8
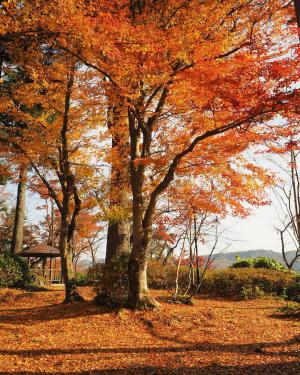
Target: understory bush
292, 292
247, 283
82, 279
252, 292
112, 286
13, 271
235, 283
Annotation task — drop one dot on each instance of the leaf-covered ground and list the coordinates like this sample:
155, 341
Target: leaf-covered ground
38, 335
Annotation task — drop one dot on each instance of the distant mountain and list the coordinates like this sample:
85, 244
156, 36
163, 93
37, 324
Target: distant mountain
84, 264
224, 260
221, 261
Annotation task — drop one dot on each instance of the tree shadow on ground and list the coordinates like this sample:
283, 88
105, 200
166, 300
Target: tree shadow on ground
200, 298
252, 348
273, 368
288, 314
46, 313
242, 348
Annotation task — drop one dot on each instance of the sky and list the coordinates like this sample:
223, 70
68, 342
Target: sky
258, 231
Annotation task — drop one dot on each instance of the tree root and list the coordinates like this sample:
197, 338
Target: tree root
144, 303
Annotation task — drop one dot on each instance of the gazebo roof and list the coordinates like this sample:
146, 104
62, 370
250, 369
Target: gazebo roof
42, 251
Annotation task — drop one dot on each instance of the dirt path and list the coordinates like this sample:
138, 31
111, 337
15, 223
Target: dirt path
38, 335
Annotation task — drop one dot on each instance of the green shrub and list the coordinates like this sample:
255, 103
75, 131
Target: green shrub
13, 271
259, 262
81, 279
252, 292
292, 292
33, 287
243, 263
239, 283
246, 283
112, 287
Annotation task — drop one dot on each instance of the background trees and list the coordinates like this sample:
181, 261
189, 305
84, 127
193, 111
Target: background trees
288, 194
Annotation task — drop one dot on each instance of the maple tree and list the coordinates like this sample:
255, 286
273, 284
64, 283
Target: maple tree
51, 139
7, 82
145, 130
190, 76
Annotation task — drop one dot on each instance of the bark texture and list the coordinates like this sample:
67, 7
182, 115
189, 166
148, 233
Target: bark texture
139, 298
118, 233
70, 198
118, 239
71, 292
18, 230
142, 218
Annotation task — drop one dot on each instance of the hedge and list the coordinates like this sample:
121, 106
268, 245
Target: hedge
247, 283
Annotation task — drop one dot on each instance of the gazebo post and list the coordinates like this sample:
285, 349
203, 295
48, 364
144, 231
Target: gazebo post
50, 273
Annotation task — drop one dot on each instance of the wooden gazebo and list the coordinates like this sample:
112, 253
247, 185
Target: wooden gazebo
42, 261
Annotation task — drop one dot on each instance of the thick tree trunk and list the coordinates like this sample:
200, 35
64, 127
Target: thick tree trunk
118, 233
71, 292
118, 239
18, 230
138, 296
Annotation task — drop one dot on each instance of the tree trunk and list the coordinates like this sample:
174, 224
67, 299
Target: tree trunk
118, 233
118, 239
138, 297
18, 230
196, 252
67, 270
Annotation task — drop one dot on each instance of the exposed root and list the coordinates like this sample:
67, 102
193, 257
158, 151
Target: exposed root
144, 303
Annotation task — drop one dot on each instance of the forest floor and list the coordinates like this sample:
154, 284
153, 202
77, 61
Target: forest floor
39, 335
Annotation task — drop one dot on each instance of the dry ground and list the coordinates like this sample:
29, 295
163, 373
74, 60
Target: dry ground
38, 335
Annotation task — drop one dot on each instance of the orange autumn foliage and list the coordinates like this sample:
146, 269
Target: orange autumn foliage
201, 82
